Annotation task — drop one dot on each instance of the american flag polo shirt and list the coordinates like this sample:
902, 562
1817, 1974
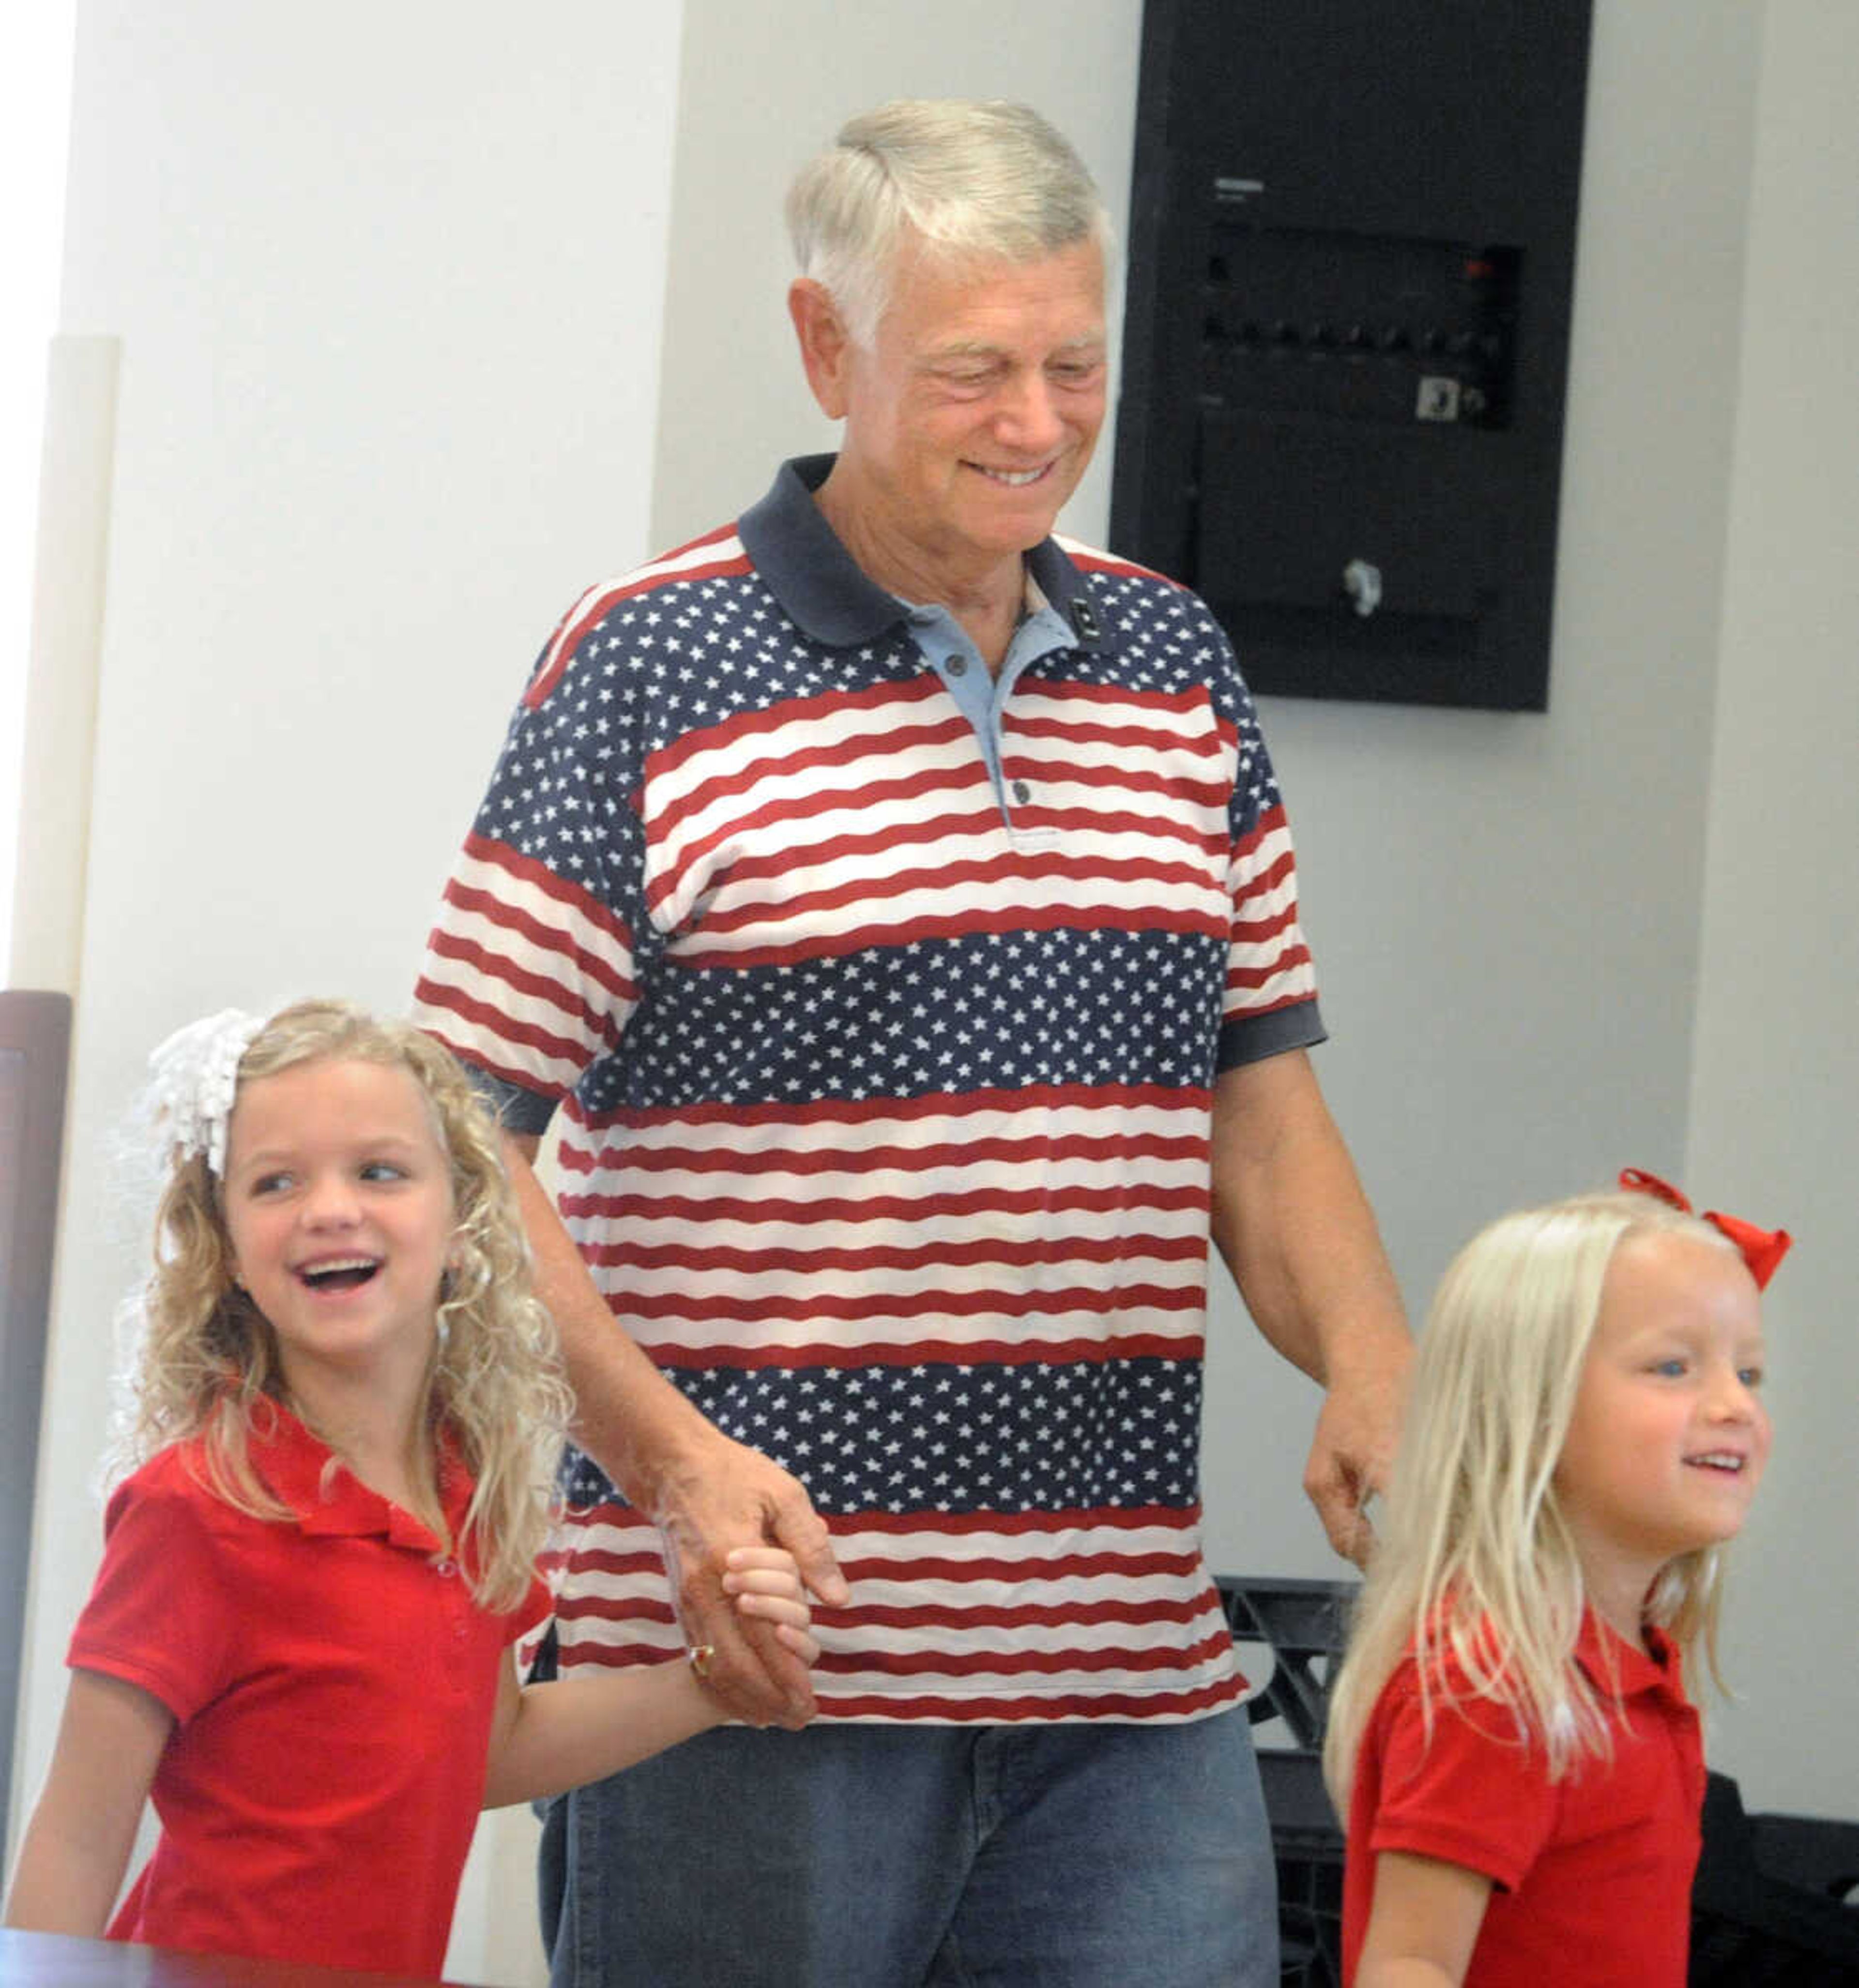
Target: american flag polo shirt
883, 1088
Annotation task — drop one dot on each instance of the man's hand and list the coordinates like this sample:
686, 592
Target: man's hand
705, 1492
722, 1495
1352, 1450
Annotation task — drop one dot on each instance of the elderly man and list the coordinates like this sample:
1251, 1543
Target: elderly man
894, 911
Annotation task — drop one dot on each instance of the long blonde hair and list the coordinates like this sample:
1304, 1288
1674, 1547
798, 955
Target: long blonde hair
1476, 1567
205, 1363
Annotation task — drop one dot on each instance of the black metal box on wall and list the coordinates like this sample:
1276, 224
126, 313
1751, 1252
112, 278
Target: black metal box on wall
1351, 261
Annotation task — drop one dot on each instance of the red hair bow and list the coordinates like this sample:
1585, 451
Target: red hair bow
1762, 1248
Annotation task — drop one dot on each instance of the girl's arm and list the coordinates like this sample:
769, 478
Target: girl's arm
1423, 1924
548, 1738
78, 1843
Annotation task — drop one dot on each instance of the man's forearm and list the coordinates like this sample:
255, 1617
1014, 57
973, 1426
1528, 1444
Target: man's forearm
629, 1417
1294, 1226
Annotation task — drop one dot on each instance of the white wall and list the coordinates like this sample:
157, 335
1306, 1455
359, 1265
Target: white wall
405, 365
1775, 1124
389, 285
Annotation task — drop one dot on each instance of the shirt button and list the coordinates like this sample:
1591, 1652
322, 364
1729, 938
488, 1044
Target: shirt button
446, 1567
1021, 794
958, 666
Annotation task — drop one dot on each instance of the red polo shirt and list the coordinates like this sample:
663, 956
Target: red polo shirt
332, 1681
1591, 1875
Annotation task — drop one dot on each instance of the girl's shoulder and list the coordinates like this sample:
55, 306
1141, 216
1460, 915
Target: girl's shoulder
176, 1482
1464, 1669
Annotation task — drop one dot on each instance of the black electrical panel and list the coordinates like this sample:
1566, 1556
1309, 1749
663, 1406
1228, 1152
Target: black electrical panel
1352, 241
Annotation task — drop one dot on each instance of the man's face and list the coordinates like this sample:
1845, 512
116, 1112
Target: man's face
970, 421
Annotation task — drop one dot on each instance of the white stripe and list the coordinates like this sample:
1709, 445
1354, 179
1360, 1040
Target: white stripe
829, 725
512, 890
852, 1337
703, 1284
1033, 1125
931, 1231
1141, 899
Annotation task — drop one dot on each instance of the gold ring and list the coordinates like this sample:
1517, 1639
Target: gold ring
698, 1657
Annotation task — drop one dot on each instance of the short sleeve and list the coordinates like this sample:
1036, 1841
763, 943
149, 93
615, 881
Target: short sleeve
1269, 1002
532, 967
1463, 1792
157, 1616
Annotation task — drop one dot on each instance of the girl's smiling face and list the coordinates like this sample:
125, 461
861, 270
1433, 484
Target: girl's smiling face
338, 1207
1669, 1436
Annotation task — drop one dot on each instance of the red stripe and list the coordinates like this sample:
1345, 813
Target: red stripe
598, 1608
1105, 822
500, 1028
879, 1208
428, 997
800, 757
546, 884
1124, 735
998, 1711
805, 713
983, 1616
574, 627
1259, 976
1069, 692
779, 862
927, 1304
1256, 932
1303, 998
947, 876
928, 1353
1025, 1663
1273, 877
1067, 1519
1211, 795
701, 1255
496, 966
616, 1155
793, 810
1012, 918
1107, 1100
1271, 822
1062, 1567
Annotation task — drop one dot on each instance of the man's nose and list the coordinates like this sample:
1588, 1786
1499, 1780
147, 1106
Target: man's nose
1029, 415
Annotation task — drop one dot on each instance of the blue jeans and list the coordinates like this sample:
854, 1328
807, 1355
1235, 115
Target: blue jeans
889, 1857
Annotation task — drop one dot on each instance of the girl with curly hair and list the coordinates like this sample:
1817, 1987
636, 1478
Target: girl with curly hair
342, 1402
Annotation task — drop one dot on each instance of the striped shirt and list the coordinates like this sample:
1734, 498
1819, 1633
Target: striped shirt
881, 1027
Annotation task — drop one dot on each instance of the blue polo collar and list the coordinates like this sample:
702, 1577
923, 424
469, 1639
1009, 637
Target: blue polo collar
829, 597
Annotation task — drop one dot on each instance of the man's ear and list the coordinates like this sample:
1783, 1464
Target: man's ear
826, 345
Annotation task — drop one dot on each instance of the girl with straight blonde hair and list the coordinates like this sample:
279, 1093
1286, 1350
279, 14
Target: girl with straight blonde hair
342, 1393
1509, 1735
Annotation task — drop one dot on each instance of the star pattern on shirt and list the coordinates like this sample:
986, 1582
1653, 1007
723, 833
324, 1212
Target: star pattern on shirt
688, 655
987, 1011
1092, 1436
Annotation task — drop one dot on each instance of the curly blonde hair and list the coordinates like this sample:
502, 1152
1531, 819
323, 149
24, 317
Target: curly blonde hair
206, 1364
1476, 1566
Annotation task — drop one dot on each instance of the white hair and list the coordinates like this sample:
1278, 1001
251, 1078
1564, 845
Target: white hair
972, 182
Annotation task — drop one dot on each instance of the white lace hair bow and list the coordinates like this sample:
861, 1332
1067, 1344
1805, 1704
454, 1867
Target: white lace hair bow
195, 1076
